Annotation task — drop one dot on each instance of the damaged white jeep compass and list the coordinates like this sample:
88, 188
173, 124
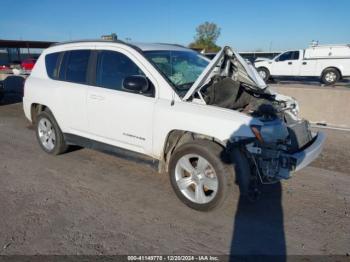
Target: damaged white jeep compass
202, 121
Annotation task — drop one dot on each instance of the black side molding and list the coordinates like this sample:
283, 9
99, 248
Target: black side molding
112, 150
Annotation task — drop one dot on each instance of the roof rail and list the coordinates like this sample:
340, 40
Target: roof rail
172, 44
88, 41
330, 45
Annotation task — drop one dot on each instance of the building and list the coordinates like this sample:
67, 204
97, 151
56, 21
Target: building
15, 51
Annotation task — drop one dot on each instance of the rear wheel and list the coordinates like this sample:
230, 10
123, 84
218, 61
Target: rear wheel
49, 135
264, 73
330, 76
198, 175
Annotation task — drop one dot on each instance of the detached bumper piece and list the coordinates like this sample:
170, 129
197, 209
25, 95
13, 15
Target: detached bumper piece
310, 153
300, 135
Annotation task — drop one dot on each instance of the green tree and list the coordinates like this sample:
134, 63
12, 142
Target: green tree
206, 36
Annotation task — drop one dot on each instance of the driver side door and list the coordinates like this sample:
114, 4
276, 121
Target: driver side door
287, 64
116, 116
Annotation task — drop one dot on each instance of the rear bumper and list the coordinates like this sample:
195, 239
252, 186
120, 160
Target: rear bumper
309, 154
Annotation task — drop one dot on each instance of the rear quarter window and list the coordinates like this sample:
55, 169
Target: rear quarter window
51, 63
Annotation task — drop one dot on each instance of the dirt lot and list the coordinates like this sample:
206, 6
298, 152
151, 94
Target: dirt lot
88, 202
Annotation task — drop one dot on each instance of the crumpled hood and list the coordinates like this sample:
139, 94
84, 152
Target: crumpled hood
245, 73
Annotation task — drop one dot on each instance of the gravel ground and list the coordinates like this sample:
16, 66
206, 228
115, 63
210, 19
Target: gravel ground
88, 202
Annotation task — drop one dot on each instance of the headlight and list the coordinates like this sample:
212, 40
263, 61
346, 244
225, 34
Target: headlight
256, 132
271, 132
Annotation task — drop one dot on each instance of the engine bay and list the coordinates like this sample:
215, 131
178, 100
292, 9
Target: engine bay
227, 93
282, 131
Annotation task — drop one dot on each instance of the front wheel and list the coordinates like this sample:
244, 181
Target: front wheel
264, 73
198, 175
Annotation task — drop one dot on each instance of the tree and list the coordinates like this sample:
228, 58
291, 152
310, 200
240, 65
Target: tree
206, 36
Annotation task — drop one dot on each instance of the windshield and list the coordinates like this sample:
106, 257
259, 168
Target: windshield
181, 68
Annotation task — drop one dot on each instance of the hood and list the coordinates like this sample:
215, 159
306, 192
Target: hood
222, 64
261, 59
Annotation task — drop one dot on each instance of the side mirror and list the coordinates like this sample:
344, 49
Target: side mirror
136, 84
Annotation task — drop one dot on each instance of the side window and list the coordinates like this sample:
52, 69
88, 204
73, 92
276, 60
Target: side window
74, 66
285, 56
291, 55
295, 55
112, 67
51, 63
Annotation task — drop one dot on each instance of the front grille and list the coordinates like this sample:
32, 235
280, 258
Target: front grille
300, 135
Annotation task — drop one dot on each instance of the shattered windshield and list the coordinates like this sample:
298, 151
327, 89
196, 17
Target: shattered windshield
182, 68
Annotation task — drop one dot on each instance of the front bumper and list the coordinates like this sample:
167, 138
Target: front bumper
310, 153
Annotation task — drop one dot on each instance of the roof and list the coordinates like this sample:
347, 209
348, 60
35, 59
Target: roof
141, 46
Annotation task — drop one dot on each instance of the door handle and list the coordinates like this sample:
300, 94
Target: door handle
97, 97
289, 63
304, 63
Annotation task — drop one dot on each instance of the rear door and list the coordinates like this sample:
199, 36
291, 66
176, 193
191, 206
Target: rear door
73, 78
308, 66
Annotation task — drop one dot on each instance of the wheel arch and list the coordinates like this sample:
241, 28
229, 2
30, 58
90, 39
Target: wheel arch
175, 138
332, 67
263, 67
35, 110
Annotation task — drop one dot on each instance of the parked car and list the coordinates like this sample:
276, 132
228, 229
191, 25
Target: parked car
2, 90
201, 120
28, 64
328, 63
4, 69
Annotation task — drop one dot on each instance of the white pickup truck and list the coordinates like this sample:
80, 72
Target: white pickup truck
328, 62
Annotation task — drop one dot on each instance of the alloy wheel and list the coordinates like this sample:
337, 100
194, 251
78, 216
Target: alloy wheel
196, 178
46, 134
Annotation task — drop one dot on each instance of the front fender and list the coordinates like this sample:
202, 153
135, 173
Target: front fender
221, 124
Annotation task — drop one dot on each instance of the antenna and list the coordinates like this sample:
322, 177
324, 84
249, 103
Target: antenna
314, 43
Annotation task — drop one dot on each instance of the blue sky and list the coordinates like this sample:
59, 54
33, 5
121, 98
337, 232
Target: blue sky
246, 25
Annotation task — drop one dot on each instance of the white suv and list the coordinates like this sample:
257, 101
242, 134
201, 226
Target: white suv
201, 120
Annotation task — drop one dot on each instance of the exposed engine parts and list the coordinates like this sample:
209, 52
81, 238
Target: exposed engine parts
281, 133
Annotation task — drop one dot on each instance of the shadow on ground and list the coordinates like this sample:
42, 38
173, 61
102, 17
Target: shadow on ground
259, 227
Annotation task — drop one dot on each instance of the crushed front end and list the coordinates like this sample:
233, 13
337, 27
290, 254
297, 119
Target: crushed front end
284, 144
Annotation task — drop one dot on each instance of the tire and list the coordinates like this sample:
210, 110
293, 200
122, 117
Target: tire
330, 76
242, 171
264, 73
49, 135
202, 191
